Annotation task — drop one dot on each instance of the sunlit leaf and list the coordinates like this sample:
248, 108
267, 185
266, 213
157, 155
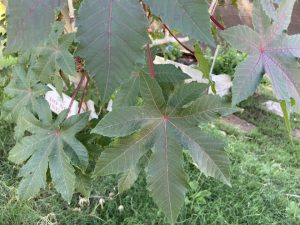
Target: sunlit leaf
164, 128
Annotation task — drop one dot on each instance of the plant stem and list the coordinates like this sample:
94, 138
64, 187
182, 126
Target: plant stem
75, 93
179, 42
150, 62
211, 11
84, 93
217, 23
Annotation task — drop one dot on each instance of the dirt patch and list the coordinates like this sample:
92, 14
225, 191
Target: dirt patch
238, 123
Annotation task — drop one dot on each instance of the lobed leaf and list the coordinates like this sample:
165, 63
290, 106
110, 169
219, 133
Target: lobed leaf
165, 130
111, 35
120, 123
25, 90
178, 13
130, 90
125, 154
54, 55
272, 53
47, 146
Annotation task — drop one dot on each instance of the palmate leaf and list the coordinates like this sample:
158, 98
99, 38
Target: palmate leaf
111, 35
29, 22
178, 13
166, 75
24, 89
270, 51
164, 127
46, 149
54, 55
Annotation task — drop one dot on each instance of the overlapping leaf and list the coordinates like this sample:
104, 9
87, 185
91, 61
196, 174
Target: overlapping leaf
24, 90
54, 55
270, 51
29, 22
128, 178
189, 17
50, 147
164, 127
111, 34
166, 75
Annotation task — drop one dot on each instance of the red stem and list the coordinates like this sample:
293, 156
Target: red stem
150, 62
179, 42
75, 93
84, 93
217, 23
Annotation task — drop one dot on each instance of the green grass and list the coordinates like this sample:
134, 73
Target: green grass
265, 177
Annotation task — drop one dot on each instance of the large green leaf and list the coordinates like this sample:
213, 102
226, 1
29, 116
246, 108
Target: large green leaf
29, 22
47, 146
166, 178
124, 154
270, 50
124, 122
190, 17
164, 128
111, 35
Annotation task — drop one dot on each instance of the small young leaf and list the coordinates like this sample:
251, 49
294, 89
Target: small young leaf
25, 90
203, 65
54, 55
46, 146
